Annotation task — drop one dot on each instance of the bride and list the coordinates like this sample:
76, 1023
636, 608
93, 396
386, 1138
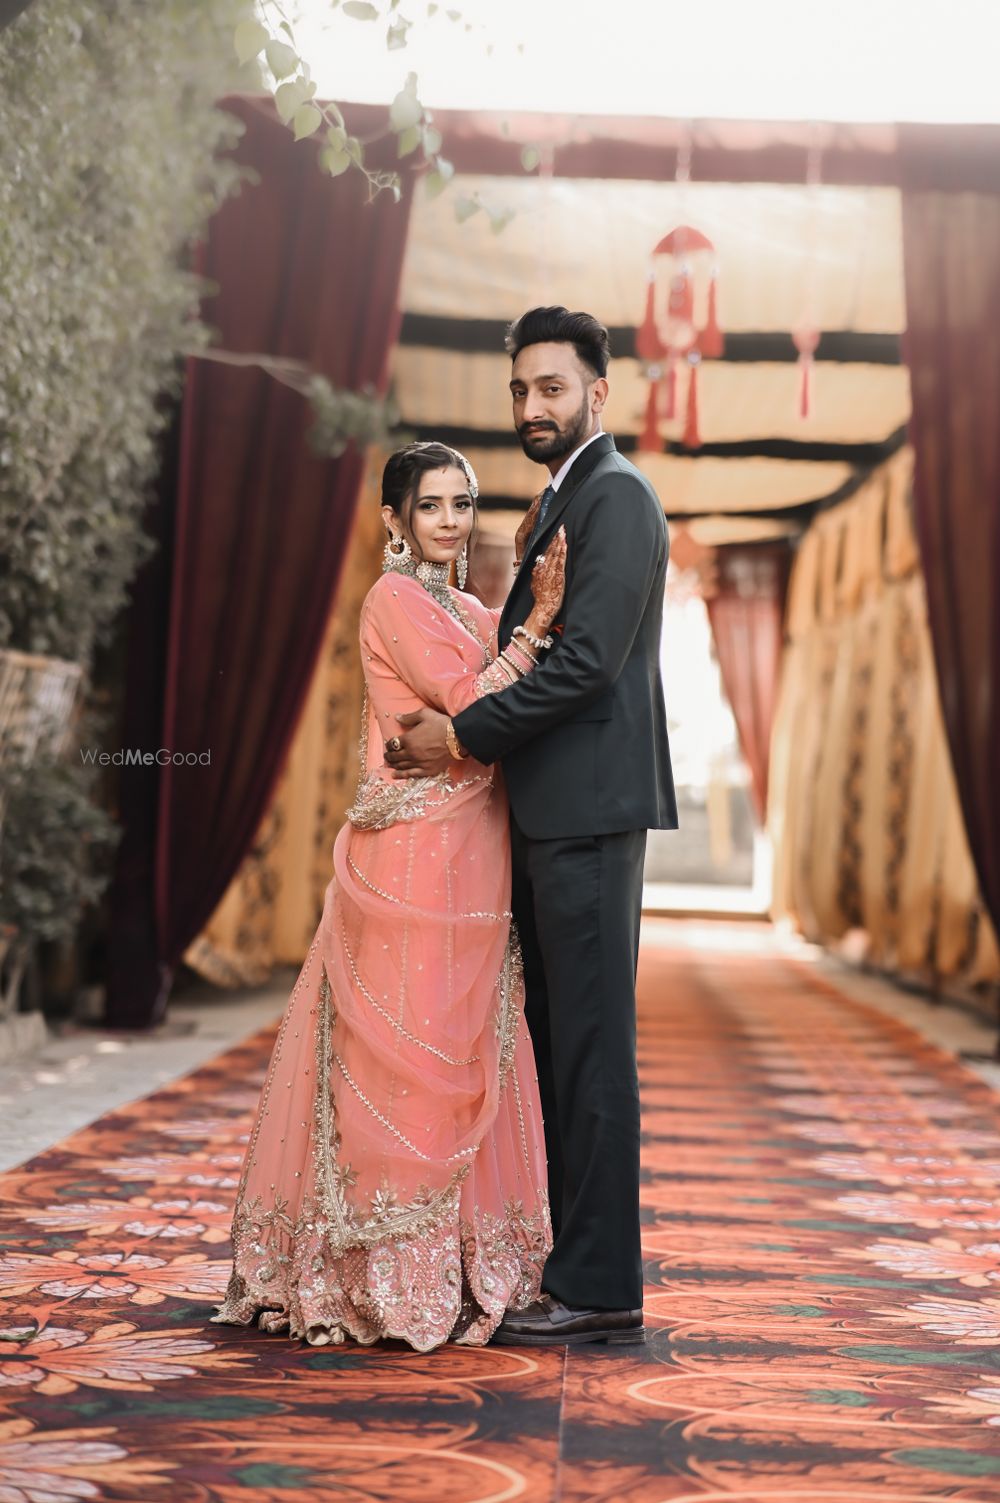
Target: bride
394, 1181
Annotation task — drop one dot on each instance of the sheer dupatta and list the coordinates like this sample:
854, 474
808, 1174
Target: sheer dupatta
394, 1179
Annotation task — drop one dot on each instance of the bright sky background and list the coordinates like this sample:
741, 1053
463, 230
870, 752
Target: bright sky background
856, 60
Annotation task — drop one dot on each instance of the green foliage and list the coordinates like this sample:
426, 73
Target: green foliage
108, 132
340, 416
55, 853
295, 98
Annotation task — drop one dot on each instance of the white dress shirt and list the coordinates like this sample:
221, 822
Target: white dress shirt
561, 474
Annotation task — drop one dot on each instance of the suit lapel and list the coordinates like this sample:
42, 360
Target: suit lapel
579, 471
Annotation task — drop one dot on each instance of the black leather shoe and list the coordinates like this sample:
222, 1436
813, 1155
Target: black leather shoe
548, 1322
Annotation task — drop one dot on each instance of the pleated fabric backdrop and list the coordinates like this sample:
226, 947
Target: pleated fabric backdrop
951, 247
306, 269
270, 909
863, 811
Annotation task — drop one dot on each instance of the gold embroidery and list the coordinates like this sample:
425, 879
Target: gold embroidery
378, 804
453, 1280
410, 1037
412, 1270
509, 988
391, 897
386, 1218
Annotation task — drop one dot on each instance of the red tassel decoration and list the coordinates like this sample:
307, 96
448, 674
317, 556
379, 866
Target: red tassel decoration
649, 439
687, 258
692, 437
710, 338
647, 339
805, 385
681, 303
668, 409
805, 339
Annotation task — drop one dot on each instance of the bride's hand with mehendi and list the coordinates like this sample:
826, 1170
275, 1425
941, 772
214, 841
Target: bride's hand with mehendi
548, 585
526, 528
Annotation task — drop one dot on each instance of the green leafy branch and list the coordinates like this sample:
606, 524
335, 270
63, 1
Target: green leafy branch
294, 90
340, 417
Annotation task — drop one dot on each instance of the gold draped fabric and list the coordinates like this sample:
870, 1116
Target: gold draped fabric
863, 811
268, 914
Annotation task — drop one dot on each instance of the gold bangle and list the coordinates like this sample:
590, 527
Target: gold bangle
455, 747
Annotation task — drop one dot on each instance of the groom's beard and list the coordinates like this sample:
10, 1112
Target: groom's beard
549, 442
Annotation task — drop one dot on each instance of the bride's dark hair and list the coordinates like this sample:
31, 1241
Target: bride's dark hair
401, 476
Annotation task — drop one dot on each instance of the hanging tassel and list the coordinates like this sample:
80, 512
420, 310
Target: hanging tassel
805, 339
692, 438
649, 439
710, 341
647, 339
805, 385
669, 404
681, 301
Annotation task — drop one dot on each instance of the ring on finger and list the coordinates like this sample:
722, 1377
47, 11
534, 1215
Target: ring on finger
394, 744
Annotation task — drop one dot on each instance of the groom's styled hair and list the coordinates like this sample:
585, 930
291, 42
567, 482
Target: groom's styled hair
557, 325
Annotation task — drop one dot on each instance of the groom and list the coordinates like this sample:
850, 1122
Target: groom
583, 743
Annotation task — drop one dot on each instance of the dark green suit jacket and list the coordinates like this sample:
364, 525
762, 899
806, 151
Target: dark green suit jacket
583, 737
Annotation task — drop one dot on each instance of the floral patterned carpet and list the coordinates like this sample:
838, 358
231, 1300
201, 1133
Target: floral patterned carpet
822, 1240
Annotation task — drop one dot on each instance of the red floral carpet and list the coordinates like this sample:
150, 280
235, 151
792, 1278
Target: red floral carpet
822, 1236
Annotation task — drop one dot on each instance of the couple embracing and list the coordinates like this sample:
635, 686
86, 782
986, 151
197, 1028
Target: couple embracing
473, 973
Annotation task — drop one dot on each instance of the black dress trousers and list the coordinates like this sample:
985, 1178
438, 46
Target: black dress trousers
577, 903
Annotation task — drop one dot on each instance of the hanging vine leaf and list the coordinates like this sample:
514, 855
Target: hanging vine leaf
360, 10
249, 40
307, 121
334, 162
290, 96
281, 59
406, 109
436, 181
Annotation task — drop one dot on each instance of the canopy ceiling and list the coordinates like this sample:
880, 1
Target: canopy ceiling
585, 242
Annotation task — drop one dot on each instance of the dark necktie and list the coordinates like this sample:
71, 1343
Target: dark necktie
547, 495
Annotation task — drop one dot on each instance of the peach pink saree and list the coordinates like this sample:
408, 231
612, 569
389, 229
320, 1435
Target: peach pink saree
394, 1182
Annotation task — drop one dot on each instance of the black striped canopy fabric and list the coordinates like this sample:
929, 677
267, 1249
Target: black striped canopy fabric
786, 253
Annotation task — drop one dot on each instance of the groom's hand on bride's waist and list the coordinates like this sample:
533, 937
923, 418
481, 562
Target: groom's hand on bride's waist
423, 749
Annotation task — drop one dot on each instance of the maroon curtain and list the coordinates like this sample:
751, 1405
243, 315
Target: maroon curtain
746, 613
951, 253
308, 269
